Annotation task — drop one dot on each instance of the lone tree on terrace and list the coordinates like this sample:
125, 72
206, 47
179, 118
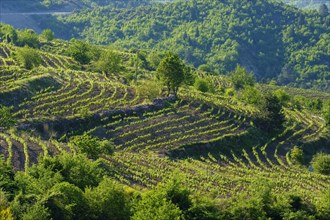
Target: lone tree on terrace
171, 72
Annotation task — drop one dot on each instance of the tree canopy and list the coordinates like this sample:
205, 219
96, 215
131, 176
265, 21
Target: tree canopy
171, 72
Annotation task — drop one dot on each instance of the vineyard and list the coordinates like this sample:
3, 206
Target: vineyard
211, 139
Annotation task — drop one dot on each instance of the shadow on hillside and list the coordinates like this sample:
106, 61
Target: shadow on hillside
253, 137
27, 90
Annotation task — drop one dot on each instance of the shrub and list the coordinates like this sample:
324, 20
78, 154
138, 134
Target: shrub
28, 57
91, 146
241, 78
80, 51
47, 35
321, 163
7, 120
252, 95
297, 155
108, 62
148, 89
282, 96
28, 38
202, 85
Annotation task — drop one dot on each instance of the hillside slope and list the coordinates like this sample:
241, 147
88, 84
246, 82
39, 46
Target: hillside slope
222, 144
272, 40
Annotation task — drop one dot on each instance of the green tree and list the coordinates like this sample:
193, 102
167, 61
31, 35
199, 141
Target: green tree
28, 38
171, 72
202, 85
75, 169
36, 211
297, 155
7, 182
80, 51
282, 96
108, 201
47, 35
189, 76
67, 201
252, 95
8, 33
240, 78
109, 62
321, 163
155, 205
272, 116
93, 147
28, 57
7, 119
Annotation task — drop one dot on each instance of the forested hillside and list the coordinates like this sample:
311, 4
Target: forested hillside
97, 132
270, 39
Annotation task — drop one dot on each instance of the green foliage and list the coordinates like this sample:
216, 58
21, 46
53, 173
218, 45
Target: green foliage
240, 78
109, 62
28, 38
271, 113
252, 95
7, 182
297, 155
47, 35
36, 211
176, 193
7, 119
154, 58
148, 89
321, 163
5, 212
254, 203
288, 45
155, 205
75, 169
80, 51
28, 57
189, 76
108, 201
282, 96
8, 33
202, 85
326, 114
67, 201
205, 68
91, 146
171, 72
315, 104
323, 205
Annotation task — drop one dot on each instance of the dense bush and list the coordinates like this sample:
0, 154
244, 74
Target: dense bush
202, 85
29, 38
28, 57
321, 163
80, 51
93, 147
7, 119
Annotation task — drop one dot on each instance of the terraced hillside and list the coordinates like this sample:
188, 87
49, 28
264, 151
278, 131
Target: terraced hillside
211, 139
